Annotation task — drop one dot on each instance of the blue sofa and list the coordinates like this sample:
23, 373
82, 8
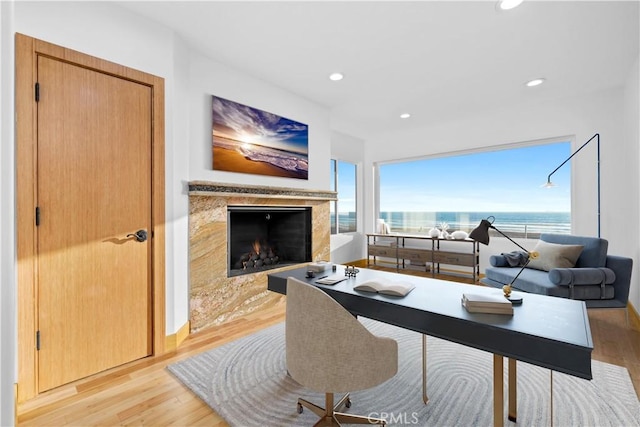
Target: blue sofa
599, 279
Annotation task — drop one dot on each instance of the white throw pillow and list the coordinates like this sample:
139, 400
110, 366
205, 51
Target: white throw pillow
553, 255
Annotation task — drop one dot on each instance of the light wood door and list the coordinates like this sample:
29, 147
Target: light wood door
93, 192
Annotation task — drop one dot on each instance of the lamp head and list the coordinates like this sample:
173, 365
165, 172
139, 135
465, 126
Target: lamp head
481, 232
548, 184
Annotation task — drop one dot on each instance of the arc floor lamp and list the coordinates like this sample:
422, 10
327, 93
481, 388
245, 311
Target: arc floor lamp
597, 138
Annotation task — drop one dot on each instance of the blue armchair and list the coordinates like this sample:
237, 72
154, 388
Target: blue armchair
599, 279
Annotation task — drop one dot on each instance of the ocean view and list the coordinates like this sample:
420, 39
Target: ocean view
517, 223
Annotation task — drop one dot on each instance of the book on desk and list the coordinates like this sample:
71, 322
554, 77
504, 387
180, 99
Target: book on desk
483, 303
386, 287
331, 280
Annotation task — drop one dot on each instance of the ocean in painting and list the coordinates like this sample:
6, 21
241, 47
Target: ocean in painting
287, 160
514, 223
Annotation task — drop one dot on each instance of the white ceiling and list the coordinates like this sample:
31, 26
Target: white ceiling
434, 59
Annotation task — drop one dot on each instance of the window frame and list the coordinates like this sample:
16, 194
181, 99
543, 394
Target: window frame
568, 139
335, 204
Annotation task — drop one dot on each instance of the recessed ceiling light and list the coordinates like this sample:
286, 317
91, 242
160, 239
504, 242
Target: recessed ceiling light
405, 115
336, 76
508, 4
535, 82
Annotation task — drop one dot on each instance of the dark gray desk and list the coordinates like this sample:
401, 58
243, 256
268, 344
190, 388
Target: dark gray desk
546, 331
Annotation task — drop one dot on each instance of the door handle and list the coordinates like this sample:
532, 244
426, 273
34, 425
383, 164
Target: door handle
140, 235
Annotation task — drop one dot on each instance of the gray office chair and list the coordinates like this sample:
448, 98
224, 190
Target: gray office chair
330, 351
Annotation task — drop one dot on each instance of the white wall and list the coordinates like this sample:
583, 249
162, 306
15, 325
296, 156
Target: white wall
8, 292
346, 247
581, 117
209, 77
177, 201
631, 191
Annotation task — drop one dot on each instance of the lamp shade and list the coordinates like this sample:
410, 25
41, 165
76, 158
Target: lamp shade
481, 232
481, 235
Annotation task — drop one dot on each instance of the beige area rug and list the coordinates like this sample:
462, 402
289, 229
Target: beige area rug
246, 383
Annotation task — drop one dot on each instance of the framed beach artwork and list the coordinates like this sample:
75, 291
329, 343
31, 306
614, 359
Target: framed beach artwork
248, 140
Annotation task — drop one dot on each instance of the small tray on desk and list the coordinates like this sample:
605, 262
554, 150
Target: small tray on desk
319, 267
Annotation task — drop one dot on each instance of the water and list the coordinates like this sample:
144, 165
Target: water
514, 223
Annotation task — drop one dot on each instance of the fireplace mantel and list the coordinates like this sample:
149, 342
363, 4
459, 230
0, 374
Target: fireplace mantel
205, 188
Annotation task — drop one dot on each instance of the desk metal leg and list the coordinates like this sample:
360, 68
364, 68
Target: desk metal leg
425, 398
551, 394
513, 390
498, 390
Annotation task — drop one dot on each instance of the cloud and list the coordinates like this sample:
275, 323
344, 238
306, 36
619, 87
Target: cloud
263, 126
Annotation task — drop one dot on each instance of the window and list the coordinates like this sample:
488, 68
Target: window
460, 190
343, 180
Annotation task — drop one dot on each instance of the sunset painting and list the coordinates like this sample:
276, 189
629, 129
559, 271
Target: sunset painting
248, 140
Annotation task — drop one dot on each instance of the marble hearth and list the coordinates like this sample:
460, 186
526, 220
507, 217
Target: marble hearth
214, 297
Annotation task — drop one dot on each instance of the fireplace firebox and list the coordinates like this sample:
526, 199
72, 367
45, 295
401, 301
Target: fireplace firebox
264, 237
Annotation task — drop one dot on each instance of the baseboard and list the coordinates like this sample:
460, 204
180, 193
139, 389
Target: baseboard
358, 263
173, 341
15, 404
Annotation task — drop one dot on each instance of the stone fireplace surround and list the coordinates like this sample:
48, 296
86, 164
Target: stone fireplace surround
215, 298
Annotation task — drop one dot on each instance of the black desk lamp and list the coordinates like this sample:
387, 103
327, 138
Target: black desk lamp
481, 234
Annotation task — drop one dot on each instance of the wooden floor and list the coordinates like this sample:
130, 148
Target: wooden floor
145, 393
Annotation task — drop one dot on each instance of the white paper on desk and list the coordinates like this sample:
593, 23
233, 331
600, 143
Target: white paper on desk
331, 280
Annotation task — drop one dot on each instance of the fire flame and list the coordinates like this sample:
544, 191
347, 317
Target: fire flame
259, 255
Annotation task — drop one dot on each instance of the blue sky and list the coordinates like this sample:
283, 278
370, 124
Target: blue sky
497, 181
